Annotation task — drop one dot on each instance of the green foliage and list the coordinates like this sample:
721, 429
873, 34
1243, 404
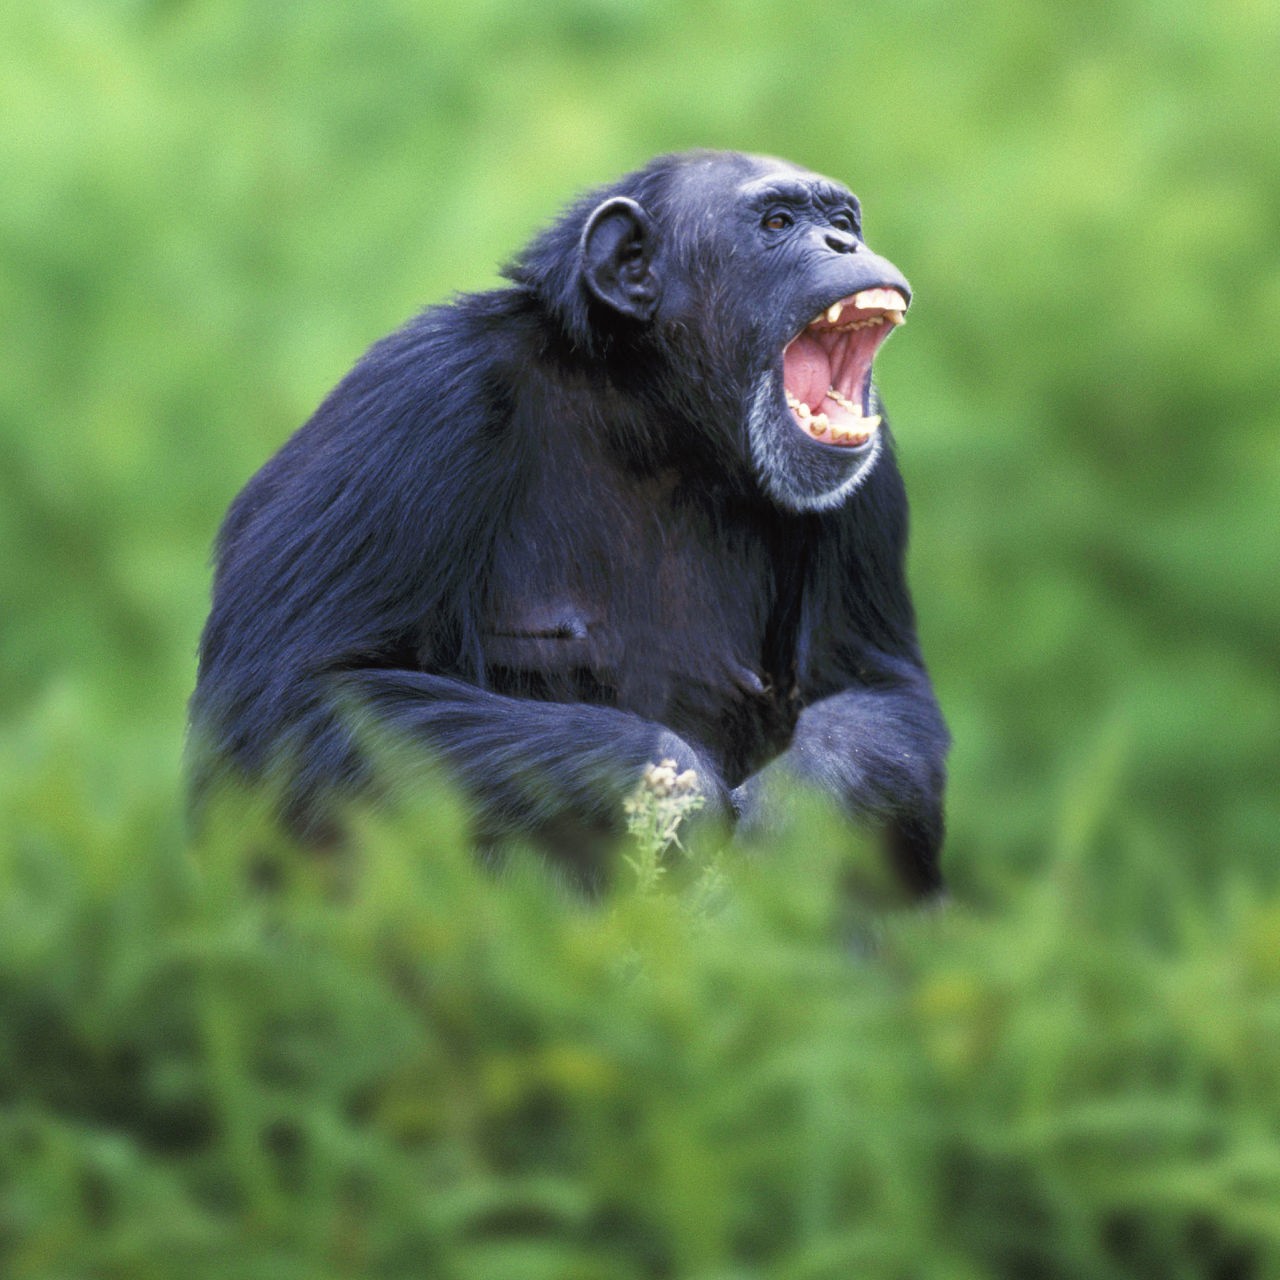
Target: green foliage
403, 1065
244, 1061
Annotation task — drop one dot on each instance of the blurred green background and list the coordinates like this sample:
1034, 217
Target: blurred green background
208, 209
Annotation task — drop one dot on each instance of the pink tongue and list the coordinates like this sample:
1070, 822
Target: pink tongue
806, 370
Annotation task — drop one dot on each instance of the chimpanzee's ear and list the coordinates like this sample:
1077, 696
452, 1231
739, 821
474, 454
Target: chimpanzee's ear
617, 249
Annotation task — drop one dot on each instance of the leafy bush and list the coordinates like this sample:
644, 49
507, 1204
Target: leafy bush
241, 1061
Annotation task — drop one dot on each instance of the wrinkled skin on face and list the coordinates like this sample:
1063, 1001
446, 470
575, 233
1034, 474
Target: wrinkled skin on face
774, 256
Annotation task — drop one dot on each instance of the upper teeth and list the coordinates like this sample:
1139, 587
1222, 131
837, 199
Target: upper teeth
884, 299
887, 304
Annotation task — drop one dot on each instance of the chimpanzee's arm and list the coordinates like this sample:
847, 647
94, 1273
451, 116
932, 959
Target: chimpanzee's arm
529, 765
880, 751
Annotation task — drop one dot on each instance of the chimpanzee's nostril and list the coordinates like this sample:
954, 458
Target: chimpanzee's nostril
841, 241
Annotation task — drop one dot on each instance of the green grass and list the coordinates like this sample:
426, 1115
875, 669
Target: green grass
240, 1061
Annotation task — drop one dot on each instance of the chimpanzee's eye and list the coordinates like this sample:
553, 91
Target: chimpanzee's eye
843, 222
778, 220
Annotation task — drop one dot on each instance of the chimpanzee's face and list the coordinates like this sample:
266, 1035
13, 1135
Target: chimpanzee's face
775, 283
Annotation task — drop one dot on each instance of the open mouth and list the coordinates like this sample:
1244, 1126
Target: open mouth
826, 368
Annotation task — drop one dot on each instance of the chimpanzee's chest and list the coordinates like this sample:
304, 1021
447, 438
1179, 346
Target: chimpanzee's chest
653, 608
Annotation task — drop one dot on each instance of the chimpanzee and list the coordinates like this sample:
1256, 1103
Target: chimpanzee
640, 503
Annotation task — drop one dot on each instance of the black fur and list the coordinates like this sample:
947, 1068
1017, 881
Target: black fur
561, 529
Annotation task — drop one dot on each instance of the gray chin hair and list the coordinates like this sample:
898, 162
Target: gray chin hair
791, 471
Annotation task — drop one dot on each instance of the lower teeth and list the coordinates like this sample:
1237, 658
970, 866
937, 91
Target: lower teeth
818, 424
